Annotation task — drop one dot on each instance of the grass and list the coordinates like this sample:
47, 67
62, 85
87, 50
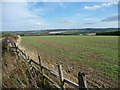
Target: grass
98, 52
15, 74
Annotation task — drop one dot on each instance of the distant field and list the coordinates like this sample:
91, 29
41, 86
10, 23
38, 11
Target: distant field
95, 55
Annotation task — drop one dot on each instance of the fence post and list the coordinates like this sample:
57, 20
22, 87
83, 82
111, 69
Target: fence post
40, 63
82, 81
26, 54
61, 77
16, 49
41, 69
33, 81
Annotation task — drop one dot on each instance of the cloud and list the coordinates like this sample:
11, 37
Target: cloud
88, 19
62, 5
36, 16
96, 7
108, 20
90, 23
112, 18
28, 15
42, 8
112, 24
66, 21
17, 16
77, 14
58, 0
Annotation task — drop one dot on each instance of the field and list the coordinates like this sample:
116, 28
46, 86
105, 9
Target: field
97, 56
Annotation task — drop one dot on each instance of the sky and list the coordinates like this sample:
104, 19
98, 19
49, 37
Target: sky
22, 16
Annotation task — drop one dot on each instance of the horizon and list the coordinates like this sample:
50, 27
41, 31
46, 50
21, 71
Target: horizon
27, 16
59, 29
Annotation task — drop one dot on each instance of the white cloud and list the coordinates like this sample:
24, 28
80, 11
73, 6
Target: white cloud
63, 5
95, 7
93, 19
88, 19
66, 21
16, 16
109, 22
77, 14
45, 8
112, 24
58, 0
112, 18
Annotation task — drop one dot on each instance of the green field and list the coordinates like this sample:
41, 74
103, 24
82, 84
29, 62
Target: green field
97, 52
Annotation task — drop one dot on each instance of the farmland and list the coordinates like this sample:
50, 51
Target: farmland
97, 56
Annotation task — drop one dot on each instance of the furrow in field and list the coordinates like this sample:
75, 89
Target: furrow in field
98, 61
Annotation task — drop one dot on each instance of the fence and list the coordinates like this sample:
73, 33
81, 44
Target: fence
32, 66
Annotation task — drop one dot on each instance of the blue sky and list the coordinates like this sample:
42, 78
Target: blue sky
57, 15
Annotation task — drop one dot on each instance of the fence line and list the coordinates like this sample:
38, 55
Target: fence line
82, 85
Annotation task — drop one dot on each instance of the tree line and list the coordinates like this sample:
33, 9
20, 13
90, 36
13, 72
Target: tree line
114, 33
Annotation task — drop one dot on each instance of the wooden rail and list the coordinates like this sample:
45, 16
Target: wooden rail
82, 85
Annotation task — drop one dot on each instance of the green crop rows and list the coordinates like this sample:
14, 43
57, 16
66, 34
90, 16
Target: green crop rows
98, 52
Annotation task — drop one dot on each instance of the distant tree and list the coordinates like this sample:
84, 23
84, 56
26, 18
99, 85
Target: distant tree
114, 33
5, 34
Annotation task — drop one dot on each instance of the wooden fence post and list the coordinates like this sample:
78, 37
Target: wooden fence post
82, 81
16, 49
41, 69
40, 63
61, 77
26, 54
33, 81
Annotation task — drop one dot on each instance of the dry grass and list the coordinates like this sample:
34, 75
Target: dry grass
16, 74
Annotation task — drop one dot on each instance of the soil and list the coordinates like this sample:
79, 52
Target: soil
95, 79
